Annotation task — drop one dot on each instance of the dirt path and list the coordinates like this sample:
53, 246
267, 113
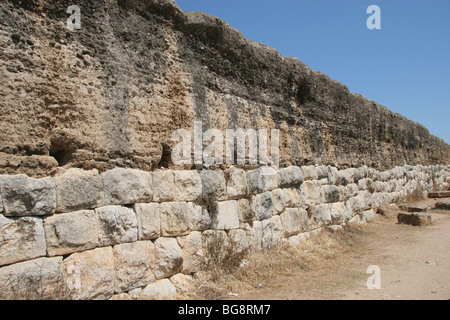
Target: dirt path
414, 264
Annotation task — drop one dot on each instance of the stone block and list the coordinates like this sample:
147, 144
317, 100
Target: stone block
263, 206
291, 176
77, 189
39, 279
313, 192
168, 257
331, 193
21, 239
414, 208
440, 194
193, 255
227, 216
199, 219
272, 230
320, 216
293, 221
158, 290
127, 186
238, 240
71, 232
443, 205
310, 173
174, 217
89, 275
236, 183
188, 184
255, 235
24, 196
148, 220
134, 263
414, 219
164, 186
213, 183
117, 225
262, 179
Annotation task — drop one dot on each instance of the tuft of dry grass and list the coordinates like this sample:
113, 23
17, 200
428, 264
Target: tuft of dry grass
246, 271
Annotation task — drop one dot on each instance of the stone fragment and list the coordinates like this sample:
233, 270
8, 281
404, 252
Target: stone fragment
443, 205
262, 179
182, 282
116, 225
39, 279
158, 290
134, 263
168, 257
77, 189
414, 219
127, 186
21, 239
213, 183
335, 228
227, 216
89, 275
368, 215
414, 208
290, 176
24, 196
148, 220
236, 184
71, 232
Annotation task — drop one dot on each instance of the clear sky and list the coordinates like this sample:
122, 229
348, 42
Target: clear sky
404, 66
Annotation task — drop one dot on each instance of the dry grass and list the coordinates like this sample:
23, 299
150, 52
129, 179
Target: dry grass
245, 271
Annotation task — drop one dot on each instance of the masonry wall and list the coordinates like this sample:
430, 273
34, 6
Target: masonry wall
85, 235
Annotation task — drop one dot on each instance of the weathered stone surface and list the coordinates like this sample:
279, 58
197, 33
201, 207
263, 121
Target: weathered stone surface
440, 194
175, 217
279, 200
414, 208
263, 206
200, 218
363, 201
245, 211
293, 221
213, 183
443, 205
71, 232
331, 193
39, 279
295, 198
188, 185
255, 235
127, 186
367, 215
262, 180
238, 240
215, 244
182, 282
117, 225
272, 230
148, 220
313, 192
168, 258
24, 196
89, 275
21, 239
310, 173
193, 255
227, 216
163, 186
158, 290
291, 176
320, 215
133, 264
414, 219
78, 190
236, 184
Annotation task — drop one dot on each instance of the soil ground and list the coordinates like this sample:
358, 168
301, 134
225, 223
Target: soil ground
414, 264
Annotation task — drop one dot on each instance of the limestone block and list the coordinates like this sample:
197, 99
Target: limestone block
127, 186
168, 257
89, 275
134, 263
199, 219
245, 211
164, 186
174, 218
310, 173
262, 179
294, 197
236, 184
193, 255
320, 216
255, 235
148, 220
238, 240
227, 216
158, 290
313, 192
414, 218
272, 232
291, 176
188, 185
24, 196
338, 212
331, 193
117, 225
71, 232
21, 239
77, 189
322, 172
333, 176
182, 282
39, 279
215, 244
367, 215
293, 221
213, 183
263, 206
278, 198
363, 201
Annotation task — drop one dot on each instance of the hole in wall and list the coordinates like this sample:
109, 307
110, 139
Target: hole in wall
61, 155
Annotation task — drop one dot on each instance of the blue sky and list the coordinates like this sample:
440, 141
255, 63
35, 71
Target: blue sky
405, 66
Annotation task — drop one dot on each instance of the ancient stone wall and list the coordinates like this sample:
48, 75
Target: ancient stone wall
90, 235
